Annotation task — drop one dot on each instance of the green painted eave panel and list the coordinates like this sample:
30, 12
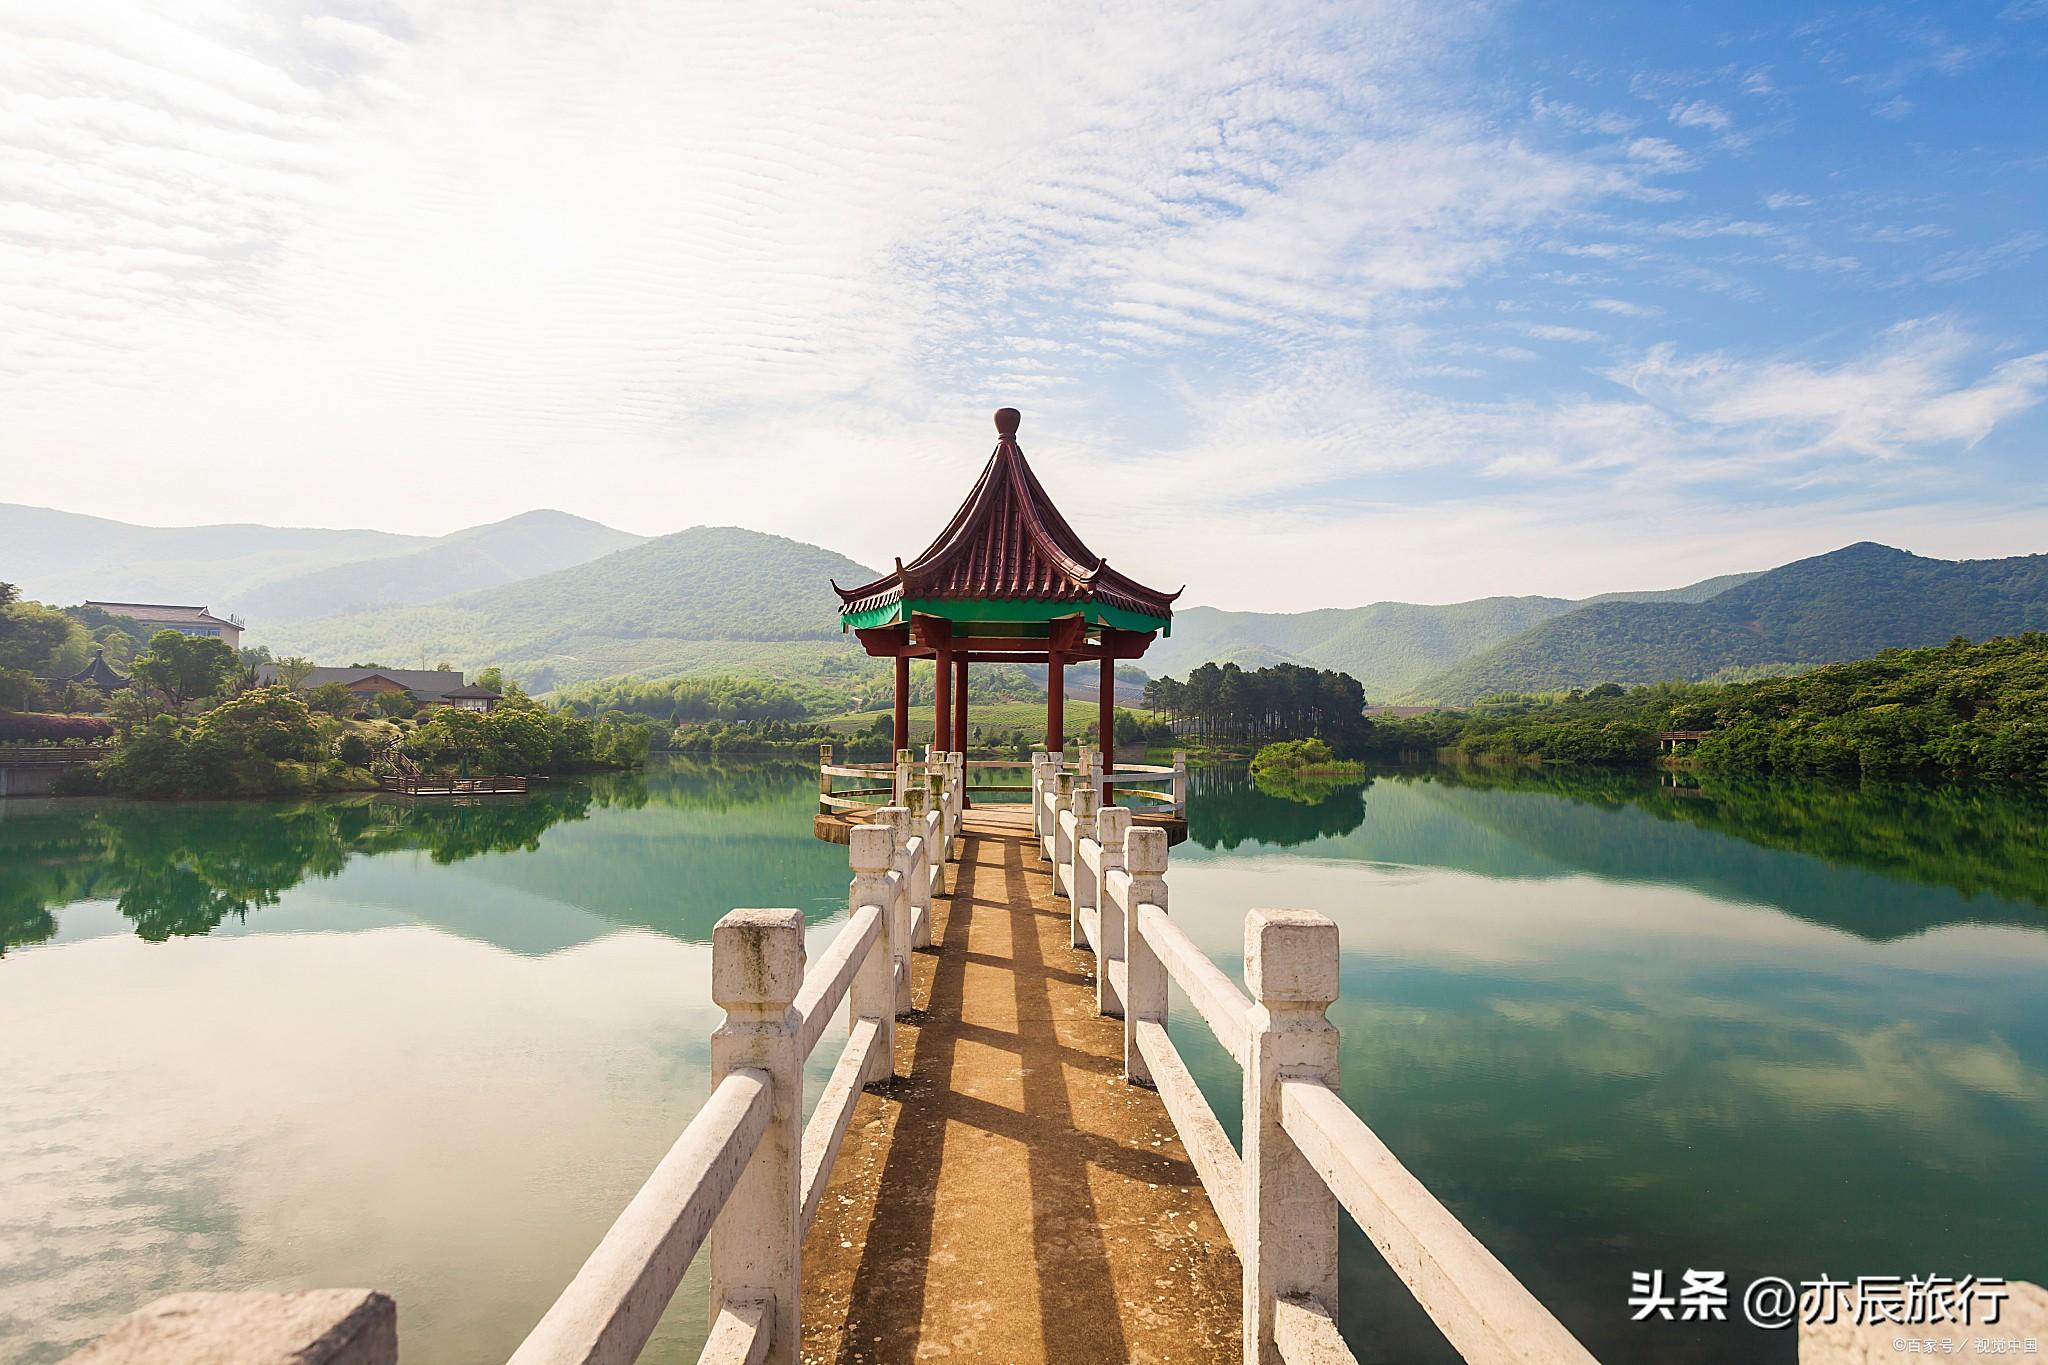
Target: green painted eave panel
1020, 612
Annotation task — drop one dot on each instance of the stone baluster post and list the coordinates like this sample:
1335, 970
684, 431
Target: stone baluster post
1062, 842
304, 1326
953, 790
824, 779
904, 906
1180, 783
1290, 1215
902, 784
1143, 852
757, 966
941, 835
1039, 768
927, 826
872, 850
1080, 881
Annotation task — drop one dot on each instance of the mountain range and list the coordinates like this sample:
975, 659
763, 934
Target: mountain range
1391, 647
278, 574
712, 599
558, 600
1849, 604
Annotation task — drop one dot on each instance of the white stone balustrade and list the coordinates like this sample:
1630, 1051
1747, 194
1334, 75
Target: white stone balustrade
744, 1179
1305, 1153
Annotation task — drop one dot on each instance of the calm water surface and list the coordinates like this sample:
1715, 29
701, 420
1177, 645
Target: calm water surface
1779, 1029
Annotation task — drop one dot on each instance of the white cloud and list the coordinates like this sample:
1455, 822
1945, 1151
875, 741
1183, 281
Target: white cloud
1605, 122
1659, 154
469, 252
1700, 114
670, 265
1622, 308
1912, 388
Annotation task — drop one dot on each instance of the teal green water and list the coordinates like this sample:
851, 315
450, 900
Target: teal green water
1763, 1028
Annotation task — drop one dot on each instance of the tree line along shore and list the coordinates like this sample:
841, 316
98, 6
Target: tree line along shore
193, 720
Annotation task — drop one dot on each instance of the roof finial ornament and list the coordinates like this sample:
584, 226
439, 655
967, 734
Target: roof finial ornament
1006, 422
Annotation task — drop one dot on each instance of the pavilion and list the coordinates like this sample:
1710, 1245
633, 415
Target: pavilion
98, 675
1008, 582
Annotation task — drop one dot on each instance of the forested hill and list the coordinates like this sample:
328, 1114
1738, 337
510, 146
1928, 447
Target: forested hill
1387, 646
1391, 647
469, 560
712, 598
1849, 604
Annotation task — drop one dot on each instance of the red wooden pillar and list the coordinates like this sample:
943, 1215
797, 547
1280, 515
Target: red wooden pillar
960, 706
942, 708
1105, 724
1055, 700
902, 718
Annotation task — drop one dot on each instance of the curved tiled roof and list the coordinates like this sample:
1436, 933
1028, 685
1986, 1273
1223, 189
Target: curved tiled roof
1008, 542
99, 673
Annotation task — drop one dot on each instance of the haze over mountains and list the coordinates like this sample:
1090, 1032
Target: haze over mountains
478, 557
710, 599
273, 574
64, 557
558, 600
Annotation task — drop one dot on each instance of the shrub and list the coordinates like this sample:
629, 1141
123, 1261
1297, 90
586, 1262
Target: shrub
354, 751
23, 728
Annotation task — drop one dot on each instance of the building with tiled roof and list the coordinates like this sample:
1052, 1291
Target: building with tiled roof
154, 617
427, 686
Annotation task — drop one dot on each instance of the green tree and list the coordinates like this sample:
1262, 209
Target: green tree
334, 699
394, 705
155, 760
451, 740
40, 640
185, 668
519, 740
293, 670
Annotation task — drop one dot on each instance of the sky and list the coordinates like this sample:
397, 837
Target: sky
1304, 305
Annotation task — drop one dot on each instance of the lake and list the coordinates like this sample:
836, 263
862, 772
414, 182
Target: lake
1784, 1028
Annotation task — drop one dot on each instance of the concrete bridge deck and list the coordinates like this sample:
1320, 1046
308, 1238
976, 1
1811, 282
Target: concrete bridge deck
1010, 1197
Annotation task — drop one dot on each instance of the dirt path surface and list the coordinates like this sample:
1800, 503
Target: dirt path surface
1009, 1197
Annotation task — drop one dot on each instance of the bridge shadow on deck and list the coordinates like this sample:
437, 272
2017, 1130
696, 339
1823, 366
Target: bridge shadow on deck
1010, 1197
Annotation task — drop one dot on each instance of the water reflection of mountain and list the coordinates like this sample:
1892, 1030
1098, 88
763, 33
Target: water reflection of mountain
673, 849
1878, 859
672, 845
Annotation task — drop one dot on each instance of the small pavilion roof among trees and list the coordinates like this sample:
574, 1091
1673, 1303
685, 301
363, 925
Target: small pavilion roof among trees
1007, 581
99, 674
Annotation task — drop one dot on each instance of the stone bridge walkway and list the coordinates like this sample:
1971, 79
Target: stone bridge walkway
1009, 1197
